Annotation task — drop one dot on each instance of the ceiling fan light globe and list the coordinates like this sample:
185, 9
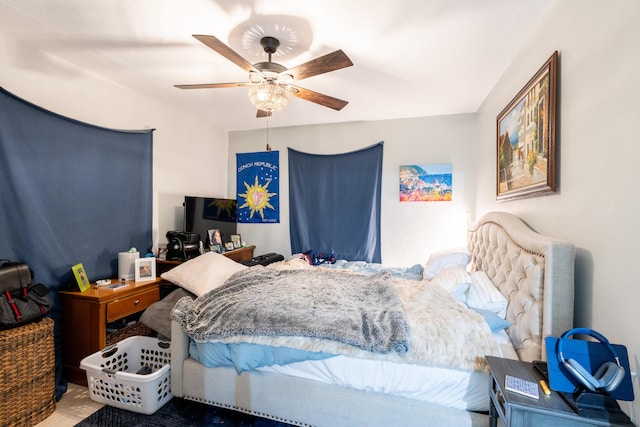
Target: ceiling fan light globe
255, 77
284, 79
269, 96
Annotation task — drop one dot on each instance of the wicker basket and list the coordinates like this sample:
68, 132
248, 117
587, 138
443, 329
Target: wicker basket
27, 377
136, 329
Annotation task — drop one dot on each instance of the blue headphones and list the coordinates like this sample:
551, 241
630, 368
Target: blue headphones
607, 377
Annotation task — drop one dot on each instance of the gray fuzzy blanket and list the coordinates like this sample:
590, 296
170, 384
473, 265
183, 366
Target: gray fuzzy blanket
364, 312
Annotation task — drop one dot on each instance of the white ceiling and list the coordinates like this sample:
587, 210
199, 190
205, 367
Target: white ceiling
412, 58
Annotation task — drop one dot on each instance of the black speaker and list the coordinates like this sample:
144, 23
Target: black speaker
182, 245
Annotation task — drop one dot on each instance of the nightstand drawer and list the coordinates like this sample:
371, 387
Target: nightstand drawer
131, 304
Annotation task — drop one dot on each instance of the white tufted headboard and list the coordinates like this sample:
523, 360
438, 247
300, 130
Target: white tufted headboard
533, 271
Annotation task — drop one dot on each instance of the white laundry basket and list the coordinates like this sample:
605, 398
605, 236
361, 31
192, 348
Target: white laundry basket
113, 378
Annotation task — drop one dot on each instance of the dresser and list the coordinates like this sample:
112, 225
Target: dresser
85, 316
238, 255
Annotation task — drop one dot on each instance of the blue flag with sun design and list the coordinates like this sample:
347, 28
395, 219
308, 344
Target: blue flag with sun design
258, 187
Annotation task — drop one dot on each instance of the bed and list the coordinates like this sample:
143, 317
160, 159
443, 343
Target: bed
533, 273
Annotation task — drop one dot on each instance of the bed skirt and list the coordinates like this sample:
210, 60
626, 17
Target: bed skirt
299, 401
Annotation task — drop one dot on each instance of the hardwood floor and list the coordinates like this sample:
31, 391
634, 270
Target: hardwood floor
75, 406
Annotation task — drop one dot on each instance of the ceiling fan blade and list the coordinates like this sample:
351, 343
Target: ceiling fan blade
211, 85
318, 98
226, 51
262, 113
323, 64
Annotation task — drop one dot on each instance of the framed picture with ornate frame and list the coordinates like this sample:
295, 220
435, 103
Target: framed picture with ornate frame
526, 138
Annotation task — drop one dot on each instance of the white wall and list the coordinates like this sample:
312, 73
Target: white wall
179, 139
410, 230
597, 205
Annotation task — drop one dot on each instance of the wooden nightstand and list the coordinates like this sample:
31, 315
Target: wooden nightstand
238, 255
516, 410
85, 316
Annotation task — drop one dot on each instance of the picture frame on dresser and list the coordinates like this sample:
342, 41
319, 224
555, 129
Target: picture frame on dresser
81, 277
237, 241
145, 269
526, 138
215, 237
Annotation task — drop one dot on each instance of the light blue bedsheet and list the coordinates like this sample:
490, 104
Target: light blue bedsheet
246, 356
411, 273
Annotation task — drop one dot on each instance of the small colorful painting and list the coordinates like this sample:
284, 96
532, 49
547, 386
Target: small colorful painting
425, 183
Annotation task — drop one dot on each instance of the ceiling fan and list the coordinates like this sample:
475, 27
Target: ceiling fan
270, 83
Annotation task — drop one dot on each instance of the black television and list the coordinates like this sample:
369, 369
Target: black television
202, 214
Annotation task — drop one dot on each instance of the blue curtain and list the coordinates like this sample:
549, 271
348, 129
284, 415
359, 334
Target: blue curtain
70, 192
334, 203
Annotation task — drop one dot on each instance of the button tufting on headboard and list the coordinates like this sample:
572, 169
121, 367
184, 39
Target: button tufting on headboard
533, 271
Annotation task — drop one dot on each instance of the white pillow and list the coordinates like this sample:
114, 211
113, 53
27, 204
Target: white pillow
456, 280
203, 273
484, 295
445, 258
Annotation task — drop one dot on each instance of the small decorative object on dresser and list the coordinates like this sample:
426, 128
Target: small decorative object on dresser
81, 277
237, 241
145, 269
215, 237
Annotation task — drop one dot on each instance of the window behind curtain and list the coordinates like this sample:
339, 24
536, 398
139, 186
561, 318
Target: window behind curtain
70, 192
335, 203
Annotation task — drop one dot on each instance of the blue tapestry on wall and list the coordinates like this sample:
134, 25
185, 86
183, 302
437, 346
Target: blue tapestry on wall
335, 203
70, 193
258, 187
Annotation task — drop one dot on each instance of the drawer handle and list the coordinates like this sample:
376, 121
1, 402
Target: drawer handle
136, 302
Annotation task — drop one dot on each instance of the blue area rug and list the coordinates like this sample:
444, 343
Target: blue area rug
187, 414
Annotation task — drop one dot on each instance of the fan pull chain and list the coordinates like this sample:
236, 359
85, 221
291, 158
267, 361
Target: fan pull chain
268, 148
